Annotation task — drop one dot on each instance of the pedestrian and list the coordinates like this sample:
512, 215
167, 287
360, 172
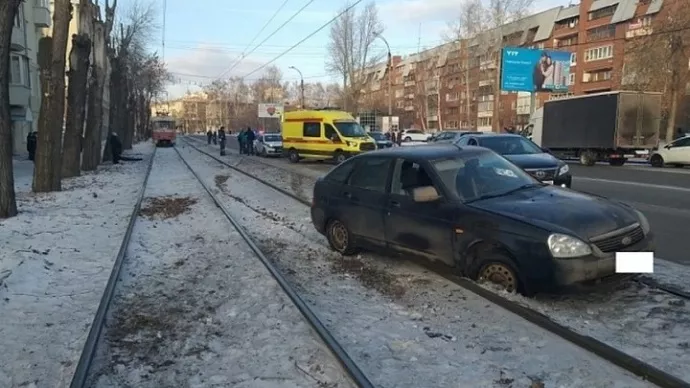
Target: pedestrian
240, 140
398, 138
221, 139
115, 147
209, 135
392, 137
250, 141
215, 138
31, 142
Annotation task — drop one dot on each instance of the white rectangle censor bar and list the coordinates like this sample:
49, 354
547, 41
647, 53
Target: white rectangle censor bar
634, 262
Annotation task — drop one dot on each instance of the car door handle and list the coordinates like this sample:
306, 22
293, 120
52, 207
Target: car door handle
347, 195
395, 203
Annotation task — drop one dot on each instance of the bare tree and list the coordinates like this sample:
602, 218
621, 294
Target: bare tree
8, 202
350, 54
76, 98
469, 24
52, 53
658, 59
93, 133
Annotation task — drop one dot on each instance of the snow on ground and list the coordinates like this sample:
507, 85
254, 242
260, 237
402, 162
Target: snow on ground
55, 259
641, 321
196, 308
404, 326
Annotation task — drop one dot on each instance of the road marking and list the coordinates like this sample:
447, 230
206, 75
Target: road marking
638, 184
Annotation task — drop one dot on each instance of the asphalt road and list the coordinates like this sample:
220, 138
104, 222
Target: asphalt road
663, 195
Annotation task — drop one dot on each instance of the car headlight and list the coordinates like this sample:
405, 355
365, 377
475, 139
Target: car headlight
351, 144
563, 246
644, 223
564, 169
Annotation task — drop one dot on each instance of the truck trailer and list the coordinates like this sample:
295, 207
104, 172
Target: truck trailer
603, 127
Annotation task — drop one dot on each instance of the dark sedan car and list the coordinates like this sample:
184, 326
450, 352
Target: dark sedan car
381, 140
451, 136
525, 154
474, 210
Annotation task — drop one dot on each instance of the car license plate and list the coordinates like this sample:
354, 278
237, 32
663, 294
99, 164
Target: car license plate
548, 182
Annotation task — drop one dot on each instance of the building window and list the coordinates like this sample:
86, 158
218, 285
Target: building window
573, 59
600, 33
571, 41
602, 13
571, 79
596, 76
484, 122
452, 97
15, 70
599, 53
558, 96
18, 18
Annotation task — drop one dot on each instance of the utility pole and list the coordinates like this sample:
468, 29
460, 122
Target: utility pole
390, 77
301, 85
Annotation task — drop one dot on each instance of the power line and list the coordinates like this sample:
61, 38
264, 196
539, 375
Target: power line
270, 36
245, 79
259, 33
195, 43
305, 38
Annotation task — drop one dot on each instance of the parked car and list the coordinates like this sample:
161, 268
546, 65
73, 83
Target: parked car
525, 154
474, 210
675, 153
381, 140
269, 144
414, 135
451, 136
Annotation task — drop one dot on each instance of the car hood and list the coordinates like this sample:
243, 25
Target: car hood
562, 210
544, 160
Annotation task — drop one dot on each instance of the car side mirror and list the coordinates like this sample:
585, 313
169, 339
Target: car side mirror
425, 194
668, 146
546, 150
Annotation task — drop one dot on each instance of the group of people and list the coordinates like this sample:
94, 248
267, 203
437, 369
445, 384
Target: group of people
394, 137
246, 139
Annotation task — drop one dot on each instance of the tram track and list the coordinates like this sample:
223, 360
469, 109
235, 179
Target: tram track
599, 348
83, 371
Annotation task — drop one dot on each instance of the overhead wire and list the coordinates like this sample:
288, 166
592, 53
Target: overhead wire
346, 10
259, 33
268, 37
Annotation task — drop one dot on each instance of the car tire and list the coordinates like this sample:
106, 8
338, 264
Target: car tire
293, 156
339, 157
407, 138
588, 158
340, 238
656, 161
496, 267
263, 152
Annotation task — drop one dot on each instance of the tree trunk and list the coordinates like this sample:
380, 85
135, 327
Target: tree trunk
76, 104
51, 118
8, 202
114, 111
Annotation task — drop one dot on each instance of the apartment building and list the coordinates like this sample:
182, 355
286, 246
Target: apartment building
25, 87
456, 85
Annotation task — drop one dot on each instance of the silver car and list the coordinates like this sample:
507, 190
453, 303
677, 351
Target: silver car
269, 144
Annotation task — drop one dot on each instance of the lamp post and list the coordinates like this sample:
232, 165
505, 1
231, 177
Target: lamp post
301, 84
390, 75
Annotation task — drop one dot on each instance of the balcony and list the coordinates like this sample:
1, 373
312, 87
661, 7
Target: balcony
409, 83
409, 108
42, 13
487, 65
486, 82
19, 95
432, 118
486, 113
17, 43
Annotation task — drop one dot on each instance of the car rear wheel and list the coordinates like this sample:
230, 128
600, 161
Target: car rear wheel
657, 161
339, 157
339, 238
293, 156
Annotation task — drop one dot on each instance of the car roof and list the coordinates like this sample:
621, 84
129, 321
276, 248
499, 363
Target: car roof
494, 134
426, 151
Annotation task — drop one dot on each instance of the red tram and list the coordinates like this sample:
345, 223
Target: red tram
163, 130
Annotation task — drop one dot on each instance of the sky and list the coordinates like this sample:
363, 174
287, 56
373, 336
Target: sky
204, 38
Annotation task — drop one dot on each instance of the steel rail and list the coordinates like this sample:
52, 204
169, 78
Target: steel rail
338, 351
599, 348
81, 372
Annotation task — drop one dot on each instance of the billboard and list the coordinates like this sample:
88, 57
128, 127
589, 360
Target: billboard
534, 70
268, 110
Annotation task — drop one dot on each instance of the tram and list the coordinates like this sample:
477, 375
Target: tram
163, 130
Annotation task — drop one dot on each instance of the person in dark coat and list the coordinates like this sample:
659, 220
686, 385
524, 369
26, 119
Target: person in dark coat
209, 135
215, 138
240, 140
221, 139
115, 147
251, 136
31, 142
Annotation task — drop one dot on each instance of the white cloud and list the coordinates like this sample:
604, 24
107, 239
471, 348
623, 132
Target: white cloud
419, 11
203, 64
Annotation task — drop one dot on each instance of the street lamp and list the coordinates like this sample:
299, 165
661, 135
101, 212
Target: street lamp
301, 84
390, 75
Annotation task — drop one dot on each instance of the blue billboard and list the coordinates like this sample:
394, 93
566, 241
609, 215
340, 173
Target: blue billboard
534, 70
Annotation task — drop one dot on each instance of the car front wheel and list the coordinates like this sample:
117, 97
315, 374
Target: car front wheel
657, 161
339, 238
497, 268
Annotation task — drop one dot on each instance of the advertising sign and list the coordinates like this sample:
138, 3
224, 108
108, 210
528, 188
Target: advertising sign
534, 70
268, 110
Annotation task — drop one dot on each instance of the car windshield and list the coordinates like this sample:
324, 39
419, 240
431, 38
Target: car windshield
350, 129
272, 138
377, 136
481, 175
510, 145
